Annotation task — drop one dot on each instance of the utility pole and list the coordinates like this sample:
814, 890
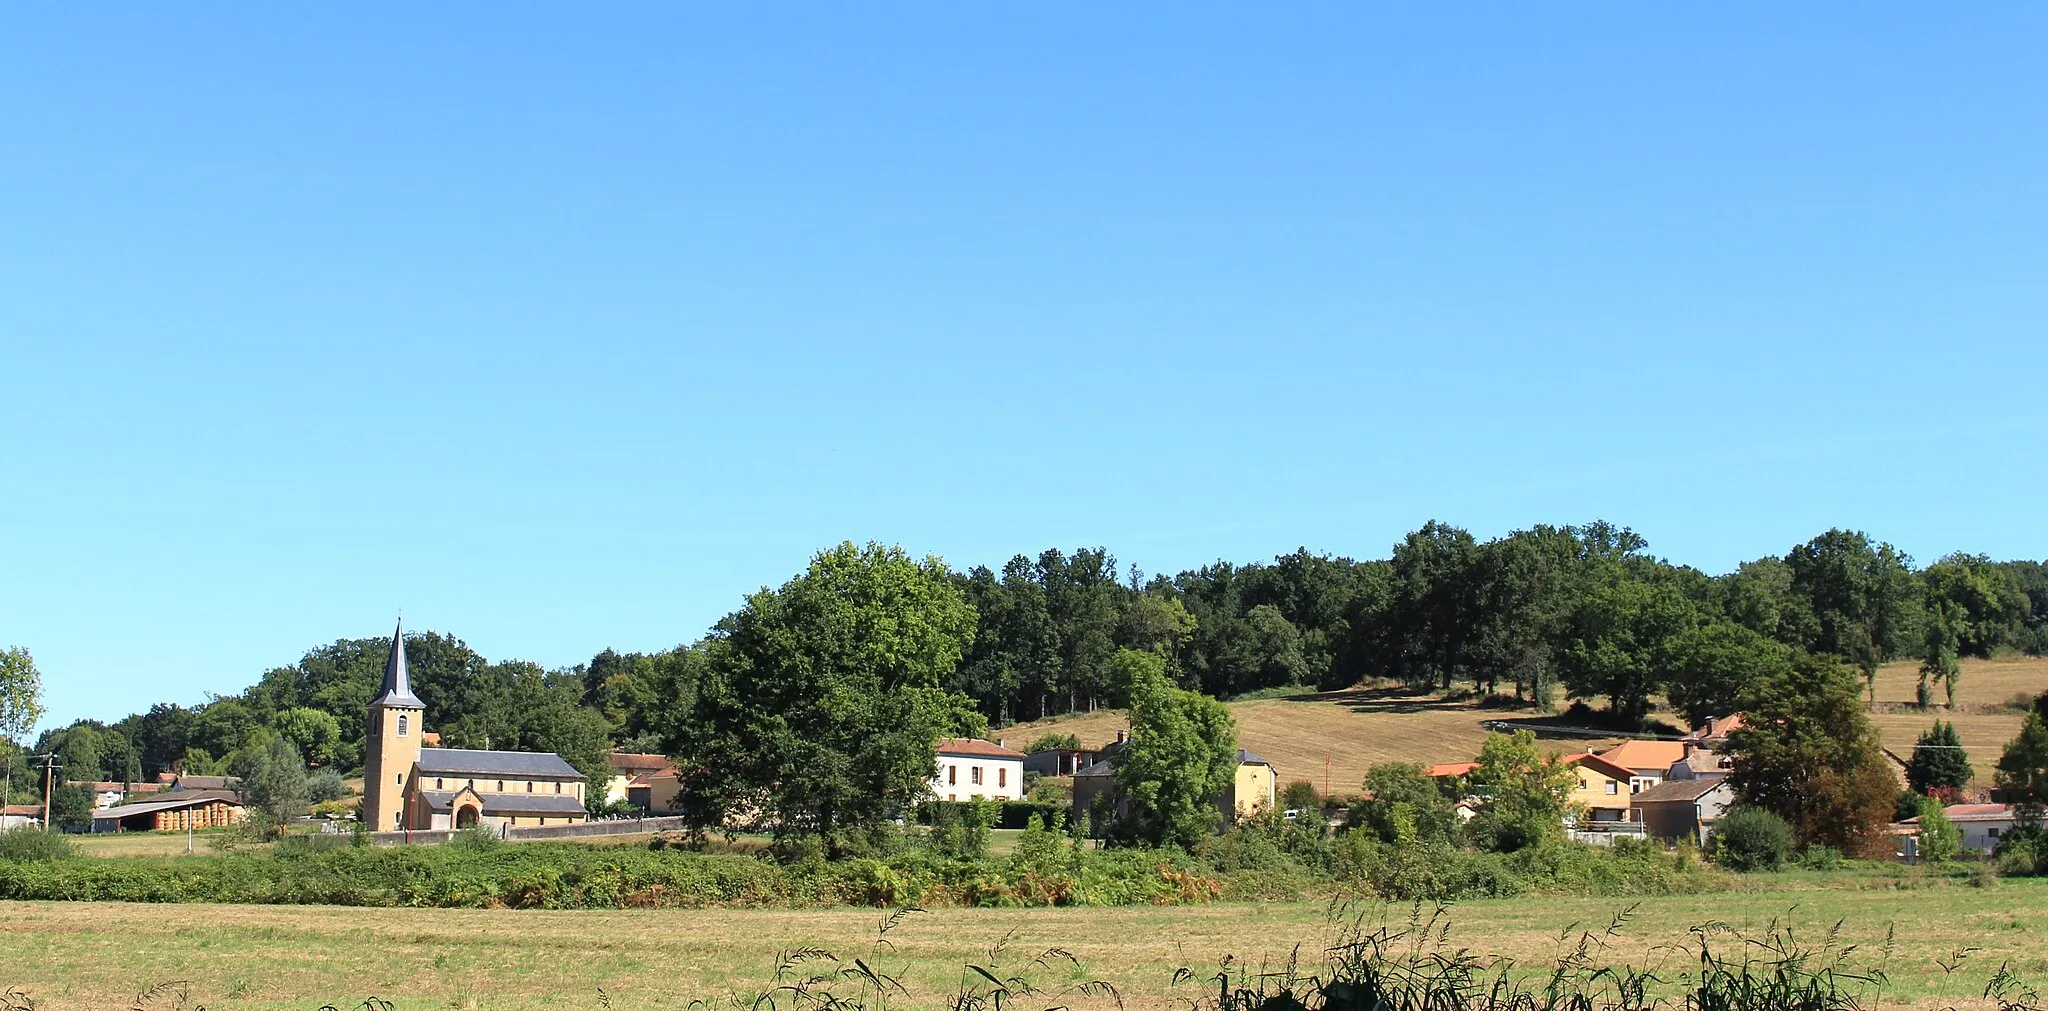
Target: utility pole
50, 768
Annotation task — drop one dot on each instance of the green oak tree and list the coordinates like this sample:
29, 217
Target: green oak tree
1807, 753
1181, 757
821, 701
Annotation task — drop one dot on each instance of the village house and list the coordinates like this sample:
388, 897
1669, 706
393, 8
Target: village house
14, 816
174, 810
407, 786
1058, 761
1981, 826
625, 768
1647, 761
1684, 809
969, 768
1601, 787
657, 791
1700, 763
1714, 736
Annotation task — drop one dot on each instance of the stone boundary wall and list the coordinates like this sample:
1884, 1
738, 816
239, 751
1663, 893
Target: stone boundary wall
588, 829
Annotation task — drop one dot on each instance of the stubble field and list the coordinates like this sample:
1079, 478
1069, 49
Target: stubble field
254, 958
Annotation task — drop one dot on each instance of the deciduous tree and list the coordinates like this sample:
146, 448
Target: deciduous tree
1182, 755
1807, 752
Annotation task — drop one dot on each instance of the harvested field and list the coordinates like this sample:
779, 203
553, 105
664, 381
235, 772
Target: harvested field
1984, 716
246, 958
1332, 737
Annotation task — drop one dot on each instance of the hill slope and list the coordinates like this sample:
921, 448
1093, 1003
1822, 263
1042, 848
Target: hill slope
1331, 738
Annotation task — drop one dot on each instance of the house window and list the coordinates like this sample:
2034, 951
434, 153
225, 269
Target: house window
952, 776
401, 779
952, 796
437, 783
401, 724
1003, 777
1994, 833
1613, 788
1582, 784
397, 819
974, 776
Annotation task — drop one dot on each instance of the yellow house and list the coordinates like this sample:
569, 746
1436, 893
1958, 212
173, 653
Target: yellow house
1251, 791
409, 786
1600, 787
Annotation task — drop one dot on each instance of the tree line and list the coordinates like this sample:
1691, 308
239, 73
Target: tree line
1578, 612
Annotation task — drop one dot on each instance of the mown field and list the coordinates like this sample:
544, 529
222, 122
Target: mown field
245, 958
1336, 736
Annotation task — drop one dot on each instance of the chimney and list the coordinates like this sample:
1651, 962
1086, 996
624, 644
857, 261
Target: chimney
1002, 742
1123, 737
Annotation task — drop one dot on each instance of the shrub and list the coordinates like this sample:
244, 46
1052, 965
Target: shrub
1054, 742
1300, 795
1751, 839
479, 838
39, 845
325, 787
1820, 858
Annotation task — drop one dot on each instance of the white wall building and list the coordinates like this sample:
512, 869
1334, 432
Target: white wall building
970, 768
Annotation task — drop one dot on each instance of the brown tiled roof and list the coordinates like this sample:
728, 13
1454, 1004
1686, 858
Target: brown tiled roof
1450, 769
1600, 765
628, 762
25, 810
1654, 757
975, 748
648, 777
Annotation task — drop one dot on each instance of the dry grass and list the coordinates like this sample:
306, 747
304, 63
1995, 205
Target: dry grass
149, 844
1332, 738
244, 958
1982, 717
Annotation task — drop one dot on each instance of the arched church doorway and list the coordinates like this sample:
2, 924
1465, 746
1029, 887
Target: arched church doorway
465, 817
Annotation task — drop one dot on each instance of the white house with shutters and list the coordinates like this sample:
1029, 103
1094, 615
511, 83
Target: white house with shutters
970, 768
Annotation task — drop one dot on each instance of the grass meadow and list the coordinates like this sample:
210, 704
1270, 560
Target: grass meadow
244, 958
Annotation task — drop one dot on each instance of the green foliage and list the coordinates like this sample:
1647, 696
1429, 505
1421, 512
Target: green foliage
821, 701
1713, 665
1182, 755
316, 734
1807, 753
1054, 742
1405, 807
1939, 762
2022, 774
21, 692
1620, 640
326, 786
71, 807
1940, 840
1524, 790
1300, 795
1751, 839
961, 830
274, 784
31, 844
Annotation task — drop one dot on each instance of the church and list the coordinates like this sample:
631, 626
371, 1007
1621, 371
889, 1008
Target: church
408, 786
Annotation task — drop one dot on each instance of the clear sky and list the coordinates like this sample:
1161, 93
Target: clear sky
561, 328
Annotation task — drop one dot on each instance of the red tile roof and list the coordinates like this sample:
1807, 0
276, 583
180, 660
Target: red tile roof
629, 762
1600, 765
25, 810
1654, 757
1447, 769
975, 748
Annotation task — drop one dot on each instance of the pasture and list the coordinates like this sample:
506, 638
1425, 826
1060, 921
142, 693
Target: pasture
246, 958
1333, 737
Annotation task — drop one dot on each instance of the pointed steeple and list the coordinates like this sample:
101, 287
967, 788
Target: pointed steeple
397, 689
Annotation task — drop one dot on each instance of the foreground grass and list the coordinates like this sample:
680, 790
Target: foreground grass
245, 958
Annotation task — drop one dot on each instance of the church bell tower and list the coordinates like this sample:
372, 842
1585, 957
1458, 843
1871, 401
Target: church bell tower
392, 746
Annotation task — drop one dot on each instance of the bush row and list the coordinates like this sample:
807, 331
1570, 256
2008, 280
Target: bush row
1046, 869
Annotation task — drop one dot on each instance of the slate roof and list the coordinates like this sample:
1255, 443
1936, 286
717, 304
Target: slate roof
1247, 758
1678, 791
397, 690
172, 801
520, 764
969, 747
496, 804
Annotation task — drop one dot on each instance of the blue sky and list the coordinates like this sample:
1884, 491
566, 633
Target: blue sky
561, 329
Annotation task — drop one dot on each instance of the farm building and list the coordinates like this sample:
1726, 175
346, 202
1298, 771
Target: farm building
173, 811
625, 769
15, 816
1683, 809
